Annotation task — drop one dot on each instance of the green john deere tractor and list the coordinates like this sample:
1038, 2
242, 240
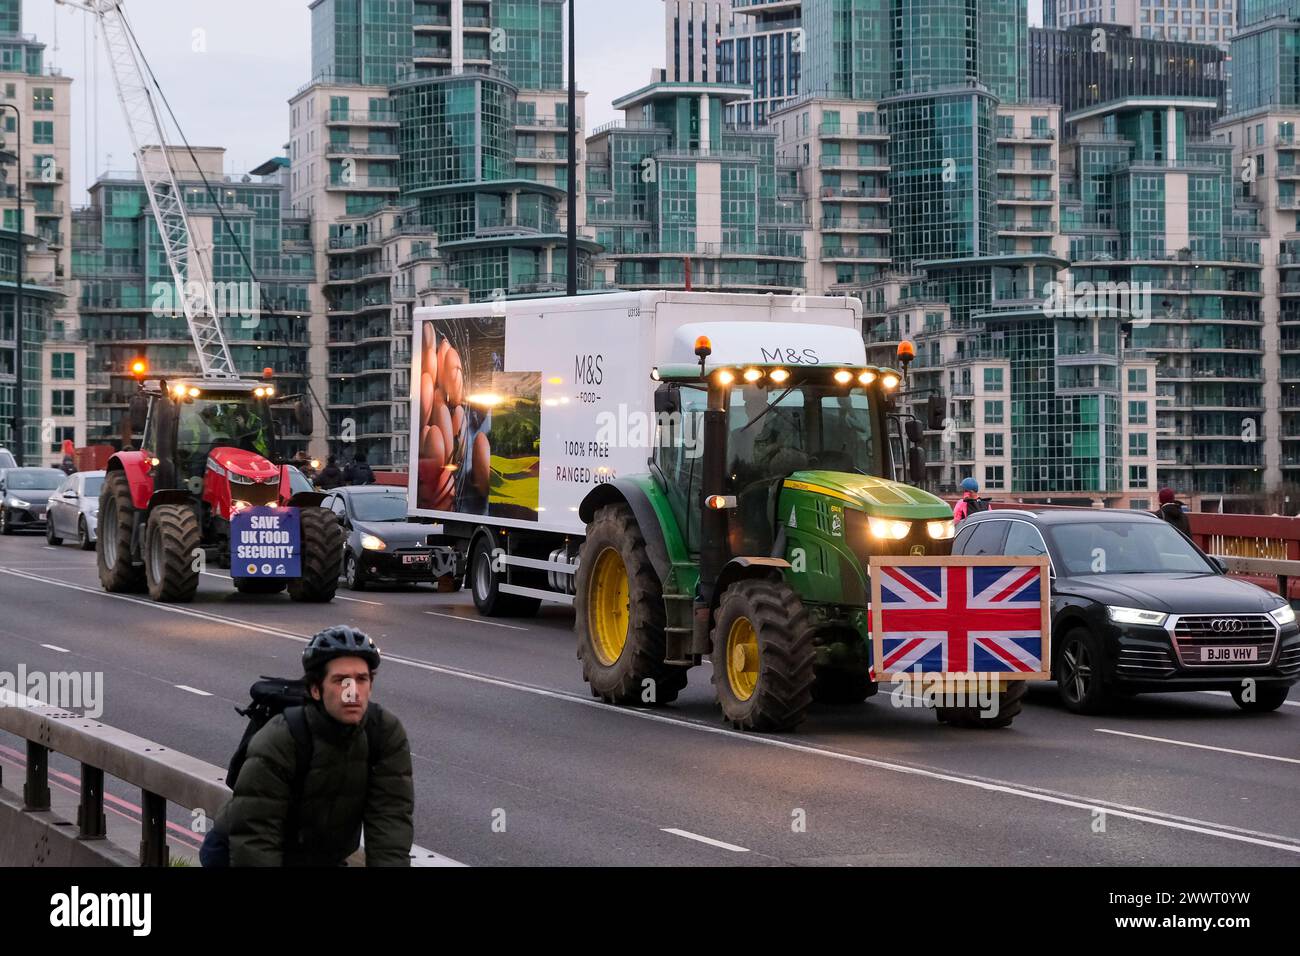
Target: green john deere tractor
747, 540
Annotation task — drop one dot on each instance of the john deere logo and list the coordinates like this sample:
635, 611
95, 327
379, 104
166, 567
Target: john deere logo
918, 551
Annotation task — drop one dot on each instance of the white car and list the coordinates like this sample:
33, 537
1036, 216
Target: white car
73, 510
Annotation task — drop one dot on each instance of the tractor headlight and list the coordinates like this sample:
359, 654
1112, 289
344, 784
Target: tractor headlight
371, 543
889, 529
941, 530
240, 505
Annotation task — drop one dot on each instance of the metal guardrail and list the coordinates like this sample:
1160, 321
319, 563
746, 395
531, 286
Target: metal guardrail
163, 775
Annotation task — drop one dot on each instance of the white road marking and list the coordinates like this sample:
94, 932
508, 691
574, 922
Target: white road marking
52, 548
337, 597
1188, 743
476, 620
1159, 818
1224, 693
703, 839
55, 647
192, 690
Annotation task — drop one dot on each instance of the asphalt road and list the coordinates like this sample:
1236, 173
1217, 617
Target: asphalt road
517, 764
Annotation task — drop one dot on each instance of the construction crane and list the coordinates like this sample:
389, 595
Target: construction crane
144, 124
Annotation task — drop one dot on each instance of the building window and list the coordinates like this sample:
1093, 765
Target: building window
63, 401
43, 133
1137, 413
993, 413
61, 434
63, 365
993, 380
993, 445
1137, 380
43, 100
1137, 476
1137, 445
995, 477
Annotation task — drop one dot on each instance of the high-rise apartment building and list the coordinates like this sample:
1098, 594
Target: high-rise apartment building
442, 179
38, 152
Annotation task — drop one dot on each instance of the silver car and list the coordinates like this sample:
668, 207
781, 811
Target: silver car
74, 510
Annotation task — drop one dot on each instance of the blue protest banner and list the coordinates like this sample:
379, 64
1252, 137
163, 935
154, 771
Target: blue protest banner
266, 543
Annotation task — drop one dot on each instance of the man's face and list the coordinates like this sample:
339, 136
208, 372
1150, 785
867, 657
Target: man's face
345, 692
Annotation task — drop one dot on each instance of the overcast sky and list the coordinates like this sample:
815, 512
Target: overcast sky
257, 54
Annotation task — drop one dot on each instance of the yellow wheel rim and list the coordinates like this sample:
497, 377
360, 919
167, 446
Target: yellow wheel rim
742, 658
607, 614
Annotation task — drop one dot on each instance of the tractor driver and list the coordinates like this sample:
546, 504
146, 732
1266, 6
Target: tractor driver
765, 445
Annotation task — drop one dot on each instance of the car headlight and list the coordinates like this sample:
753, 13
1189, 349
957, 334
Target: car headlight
889, 529
1133, 615
19, 503
371, 543
942, 530
1284, 615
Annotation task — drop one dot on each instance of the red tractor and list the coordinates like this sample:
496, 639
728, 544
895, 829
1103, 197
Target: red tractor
207, 453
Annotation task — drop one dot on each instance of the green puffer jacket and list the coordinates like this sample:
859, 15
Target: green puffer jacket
336, 801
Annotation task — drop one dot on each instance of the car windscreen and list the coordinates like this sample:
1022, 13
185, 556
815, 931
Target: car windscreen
298, 481
33, 479
1125, 547
379, 507
92, 487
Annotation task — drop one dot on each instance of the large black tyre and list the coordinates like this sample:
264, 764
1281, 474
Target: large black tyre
1011, 701
841, 686
260, 585
1078, 672
763, 656
170, 540
322, 557
118, 574
485, 585
620, 616
1267, 698
51, 538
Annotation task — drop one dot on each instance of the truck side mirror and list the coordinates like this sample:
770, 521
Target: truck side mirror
302, 416
916, 463
667, 400
935, 413
914, 433
138, 412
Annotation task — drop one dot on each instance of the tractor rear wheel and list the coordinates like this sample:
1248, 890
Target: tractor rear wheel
1011, 700
118, 574
620, 616
171, 538
763, 656
322, 557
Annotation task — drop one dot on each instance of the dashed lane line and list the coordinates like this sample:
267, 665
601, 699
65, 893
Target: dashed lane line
1083, 804
1188, 743
687, 834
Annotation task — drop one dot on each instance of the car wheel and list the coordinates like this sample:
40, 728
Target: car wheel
4, 522
51, 538
1264, 698
83, 536
1079, 673
352, 573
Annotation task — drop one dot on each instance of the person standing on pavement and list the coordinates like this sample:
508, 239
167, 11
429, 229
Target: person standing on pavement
1171, 509
347, 789
359, 472
971, 503
330, 477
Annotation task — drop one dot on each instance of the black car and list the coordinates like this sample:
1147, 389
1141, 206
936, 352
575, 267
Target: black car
24, 496
382, 546
1137, 607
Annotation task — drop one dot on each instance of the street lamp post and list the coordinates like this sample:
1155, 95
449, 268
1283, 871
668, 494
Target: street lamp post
19, 437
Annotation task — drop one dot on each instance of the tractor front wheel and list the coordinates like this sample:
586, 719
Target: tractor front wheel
763, 656
172, 538
620, 616
118, 574
322, 557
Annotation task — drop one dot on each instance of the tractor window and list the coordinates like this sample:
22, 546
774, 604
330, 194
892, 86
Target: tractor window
212, 421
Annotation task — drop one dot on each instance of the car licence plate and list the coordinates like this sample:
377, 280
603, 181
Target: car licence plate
1229, 655
415, 559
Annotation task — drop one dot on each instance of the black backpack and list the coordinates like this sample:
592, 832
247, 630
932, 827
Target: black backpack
271, 696
975, 505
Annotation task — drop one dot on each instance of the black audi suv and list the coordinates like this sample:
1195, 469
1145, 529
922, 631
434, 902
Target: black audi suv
1137, 607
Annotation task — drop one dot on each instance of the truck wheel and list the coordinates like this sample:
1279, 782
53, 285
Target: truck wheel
322, 557
260, 585
485, 584
171, 538
1268, 697
620, 615
117, 572
763, 656
840, 686
1010, 703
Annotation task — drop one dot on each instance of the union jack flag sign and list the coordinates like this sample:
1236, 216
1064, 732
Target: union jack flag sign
961, 615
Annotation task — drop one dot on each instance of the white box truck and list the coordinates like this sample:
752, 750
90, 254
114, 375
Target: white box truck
697, 442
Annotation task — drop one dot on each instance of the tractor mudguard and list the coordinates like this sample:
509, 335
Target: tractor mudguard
741, 569
136, 465
637, 497
169, 496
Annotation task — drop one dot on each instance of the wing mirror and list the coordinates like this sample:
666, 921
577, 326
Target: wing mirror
303, 418
138, 413
1220, 564
914, 433
667, 400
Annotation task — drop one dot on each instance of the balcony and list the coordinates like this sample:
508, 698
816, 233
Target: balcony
878, 224
1027, 166
361, 118
379, 151
363, 183
847, 131
1011, 196
1026, 135
48, 208
554, 122
836, 254
430, 20
1036, 228
853, 194
878, 164
422, 52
